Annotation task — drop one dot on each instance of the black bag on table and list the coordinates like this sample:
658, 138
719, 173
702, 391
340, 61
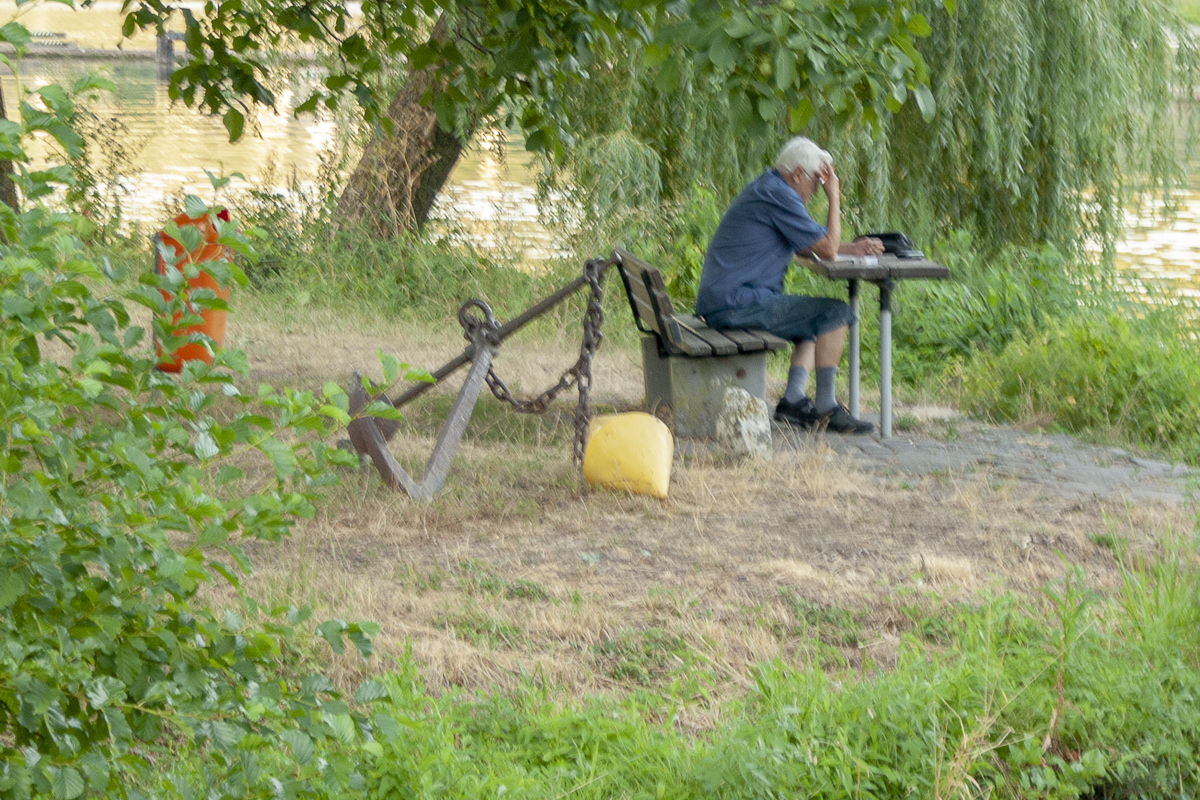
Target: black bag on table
896, 244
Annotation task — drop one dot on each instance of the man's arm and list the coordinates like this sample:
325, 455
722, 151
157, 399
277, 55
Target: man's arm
831, 245
827, 247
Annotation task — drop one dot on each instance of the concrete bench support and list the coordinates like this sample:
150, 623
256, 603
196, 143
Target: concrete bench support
694, 388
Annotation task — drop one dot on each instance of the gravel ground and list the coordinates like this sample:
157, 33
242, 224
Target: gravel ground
1055, 461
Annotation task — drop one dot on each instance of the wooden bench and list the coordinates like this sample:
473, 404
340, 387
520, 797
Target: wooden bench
688, 365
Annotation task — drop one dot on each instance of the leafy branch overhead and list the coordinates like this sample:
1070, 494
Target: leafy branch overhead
520, 57
778, 60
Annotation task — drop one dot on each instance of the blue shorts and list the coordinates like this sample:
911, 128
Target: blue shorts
789, 316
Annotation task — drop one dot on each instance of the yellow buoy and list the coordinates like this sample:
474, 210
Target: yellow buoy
629, 452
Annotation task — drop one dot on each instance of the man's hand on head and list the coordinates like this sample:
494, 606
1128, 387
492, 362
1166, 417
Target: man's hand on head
830, 181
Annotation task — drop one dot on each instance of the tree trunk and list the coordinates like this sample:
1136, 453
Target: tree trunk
393, 187
8, 190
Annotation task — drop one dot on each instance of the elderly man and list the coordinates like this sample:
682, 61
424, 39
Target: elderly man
741, 285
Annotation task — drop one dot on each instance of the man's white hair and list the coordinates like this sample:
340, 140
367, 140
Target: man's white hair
803, 153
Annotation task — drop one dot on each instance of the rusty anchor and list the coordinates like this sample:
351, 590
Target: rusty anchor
369, 435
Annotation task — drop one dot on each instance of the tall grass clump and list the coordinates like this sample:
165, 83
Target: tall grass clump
1129, 373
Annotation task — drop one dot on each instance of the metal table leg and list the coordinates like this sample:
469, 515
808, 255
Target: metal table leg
853, 356
885, 359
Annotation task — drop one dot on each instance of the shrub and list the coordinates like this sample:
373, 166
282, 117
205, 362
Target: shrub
122, 491
1130, 374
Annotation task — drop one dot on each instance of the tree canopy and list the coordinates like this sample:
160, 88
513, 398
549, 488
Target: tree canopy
525, 57
1024, 120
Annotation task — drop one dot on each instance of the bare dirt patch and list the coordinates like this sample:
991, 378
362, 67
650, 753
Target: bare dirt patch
516, 572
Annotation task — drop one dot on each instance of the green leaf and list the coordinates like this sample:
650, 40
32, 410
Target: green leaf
195, 208
768, 108
228, 474
919, 26
309, 105
55, 97
722, 52
15, 34
382, 410
925, 101
343, 727
92, 83
103, 689
225, 734
370, 690
206, 446
387, 725
800, 114
12, 586
336, 395
281, 456
331, 631
667, 79
785, 68
740, 25
66, 783
301, 744
234, 123
392, 367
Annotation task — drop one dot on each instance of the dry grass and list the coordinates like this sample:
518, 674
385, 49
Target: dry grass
516, 572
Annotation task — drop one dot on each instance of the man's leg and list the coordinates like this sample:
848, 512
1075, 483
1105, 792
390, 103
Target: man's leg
827, 349
803, 359
804, 354
827, 354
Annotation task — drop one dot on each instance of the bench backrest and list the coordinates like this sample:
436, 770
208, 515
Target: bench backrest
651, 305
680, 334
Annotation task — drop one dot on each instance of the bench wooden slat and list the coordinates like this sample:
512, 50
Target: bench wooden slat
721, 344
639, 299
746, 341
691, 345
770, 341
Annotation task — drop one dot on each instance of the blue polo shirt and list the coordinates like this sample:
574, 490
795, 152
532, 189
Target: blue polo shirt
752, 248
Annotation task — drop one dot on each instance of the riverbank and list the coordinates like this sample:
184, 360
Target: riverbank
966, 605
517, 570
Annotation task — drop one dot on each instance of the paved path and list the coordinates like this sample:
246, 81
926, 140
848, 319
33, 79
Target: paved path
1056, 461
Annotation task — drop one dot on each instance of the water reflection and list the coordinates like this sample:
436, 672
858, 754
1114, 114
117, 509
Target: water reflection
1166, 253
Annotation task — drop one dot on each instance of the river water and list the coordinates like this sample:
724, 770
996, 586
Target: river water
489, 197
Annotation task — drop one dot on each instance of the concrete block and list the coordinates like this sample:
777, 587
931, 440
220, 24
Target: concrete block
694, 388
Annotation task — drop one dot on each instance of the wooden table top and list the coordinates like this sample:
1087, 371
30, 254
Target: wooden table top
886, 267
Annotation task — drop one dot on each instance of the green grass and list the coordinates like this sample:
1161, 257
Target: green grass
1058, 696
1189, 10
644, 657
477, 627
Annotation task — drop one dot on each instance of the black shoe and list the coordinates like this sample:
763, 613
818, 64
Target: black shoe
838, 420
802, 413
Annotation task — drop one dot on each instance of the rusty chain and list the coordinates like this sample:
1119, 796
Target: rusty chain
578, 375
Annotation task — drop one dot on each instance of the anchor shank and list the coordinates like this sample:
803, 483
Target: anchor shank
456, 423
503, 332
